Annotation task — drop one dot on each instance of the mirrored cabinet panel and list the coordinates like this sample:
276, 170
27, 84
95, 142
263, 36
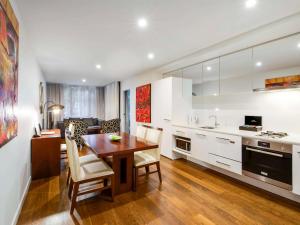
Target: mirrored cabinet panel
269, 66
210, 79
275, 61
194, 73
236, 73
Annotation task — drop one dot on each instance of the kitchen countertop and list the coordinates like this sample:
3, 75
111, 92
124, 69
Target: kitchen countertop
290, 139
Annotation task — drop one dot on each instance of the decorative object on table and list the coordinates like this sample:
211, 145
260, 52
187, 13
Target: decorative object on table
252, 123
9, 50
55, 108
143, 104
287, 81
41, 94
114, 137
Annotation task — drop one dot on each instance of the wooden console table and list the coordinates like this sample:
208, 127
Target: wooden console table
45, 155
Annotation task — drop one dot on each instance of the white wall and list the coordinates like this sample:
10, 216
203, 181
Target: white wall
131, 84
235, 107
15, 156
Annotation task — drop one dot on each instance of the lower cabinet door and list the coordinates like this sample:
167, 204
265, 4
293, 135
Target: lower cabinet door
296, 169
227, 164
201, 144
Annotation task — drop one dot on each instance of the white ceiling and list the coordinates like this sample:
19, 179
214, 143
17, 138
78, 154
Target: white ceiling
71, 36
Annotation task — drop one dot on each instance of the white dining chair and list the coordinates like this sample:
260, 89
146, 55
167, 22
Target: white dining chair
150, 157
141, 131
96, 176
90, 158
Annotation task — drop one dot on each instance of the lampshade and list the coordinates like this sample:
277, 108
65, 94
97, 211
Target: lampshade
55, 107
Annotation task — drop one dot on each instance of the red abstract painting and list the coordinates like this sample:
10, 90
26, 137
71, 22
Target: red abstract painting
143, 104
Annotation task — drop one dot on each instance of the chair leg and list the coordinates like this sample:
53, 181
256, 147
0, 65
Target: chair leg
68, 178
112, 183
135, 176
147, 169
158, 170
70, 188
74, 197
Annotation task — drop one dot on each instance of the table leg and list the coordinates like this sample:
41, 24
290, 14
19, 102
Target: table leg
122, 166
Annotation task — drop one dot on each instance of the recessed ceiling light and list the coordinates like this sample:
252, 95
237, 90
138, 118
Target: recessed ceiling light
250, 3
298, 45
98, 66
258, 64
208, 68
151, 55
83, 80
142, 23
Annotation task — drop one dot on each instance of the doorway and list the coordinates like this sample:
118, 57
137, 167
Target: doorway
127, 111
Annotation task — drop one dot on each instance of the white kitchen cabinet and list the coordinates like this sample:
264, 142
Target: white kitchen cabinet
296, 169
170, 105
201, 143
225, 163
227, 146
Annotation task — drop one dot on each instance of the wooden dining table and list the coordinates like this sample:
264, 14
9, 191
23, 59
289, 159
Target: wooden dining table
122, 153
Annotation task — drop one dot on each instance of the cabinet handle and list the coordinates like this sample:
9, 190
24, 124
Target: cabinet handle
179, 131
226, 139
167, 119
263, 152
203, 135
223, 163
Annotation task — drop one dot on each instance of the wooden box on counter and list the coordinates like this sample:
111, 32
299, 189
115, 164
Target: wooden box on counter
45, 155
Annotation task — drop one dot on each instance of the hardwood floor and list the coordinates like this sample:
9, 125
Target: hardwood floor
189, 194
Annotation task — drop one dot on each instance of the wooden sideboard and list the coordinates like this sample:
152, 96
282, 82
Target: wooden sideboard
45, 155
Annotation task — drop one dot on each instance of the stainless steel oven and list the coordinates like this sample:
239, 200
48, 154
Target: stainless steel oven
270, 162
183, 143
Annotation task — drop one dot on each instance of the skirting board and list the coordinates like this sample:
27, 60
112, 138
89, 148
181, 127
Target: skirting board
18, 211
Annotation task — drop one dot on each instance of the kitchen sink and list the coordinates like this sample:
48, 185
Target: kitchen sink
208, 127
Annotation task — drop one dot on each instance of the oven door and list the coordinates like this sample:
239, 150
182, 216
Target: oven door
268, 166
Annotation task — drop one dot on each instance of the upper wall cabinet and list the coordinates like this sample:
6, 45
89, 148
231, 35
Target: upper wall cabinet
276, 59
195, 74
205, 77
236, 73
211, 77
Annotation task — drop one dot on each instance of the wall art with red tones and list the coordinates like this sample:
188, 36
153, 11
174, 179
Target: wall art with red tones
143, 104
9, 48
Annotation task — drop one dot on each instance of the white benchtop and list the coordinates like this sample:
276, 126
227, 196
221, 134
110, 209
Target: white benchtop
290, 139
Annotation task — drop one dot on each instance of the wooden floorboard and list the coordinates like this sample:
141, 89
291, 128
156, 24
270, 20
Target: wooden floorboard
189, 194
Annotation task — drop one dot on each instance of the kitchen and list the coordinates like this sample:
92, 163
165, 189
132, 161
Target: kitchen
237, 114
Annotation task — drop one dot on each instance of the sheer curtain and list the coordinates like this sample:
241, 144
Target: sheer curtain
79, 101
112, 100
83, 101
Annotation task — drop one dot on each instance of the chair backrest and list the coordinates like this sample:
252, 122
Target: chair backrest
73, 158
80, 128
71, 129
154, 135
111, 126
141, 131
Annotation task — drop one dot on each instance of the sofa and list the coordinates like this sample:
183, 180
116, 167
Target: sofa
94, 125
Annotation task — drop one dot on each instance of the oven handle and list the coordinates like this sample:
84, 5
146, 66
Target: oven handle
263, 152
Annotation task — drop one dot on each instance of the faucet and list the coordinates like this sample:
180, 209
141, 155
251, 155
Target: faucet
216, 119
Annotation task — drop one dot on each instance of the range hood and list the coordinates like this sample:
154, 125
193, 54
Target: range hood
277, 88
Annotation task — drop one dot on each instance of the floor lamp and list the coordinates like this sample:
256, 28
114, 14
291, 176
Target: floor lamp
55, 108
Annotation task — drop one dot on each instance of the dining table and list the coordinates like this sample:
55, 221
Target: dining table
122, 153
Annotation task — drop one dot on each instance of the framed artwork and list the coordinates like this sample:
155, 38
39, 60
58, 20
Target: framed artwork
41, 100
9, 49
143, 104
